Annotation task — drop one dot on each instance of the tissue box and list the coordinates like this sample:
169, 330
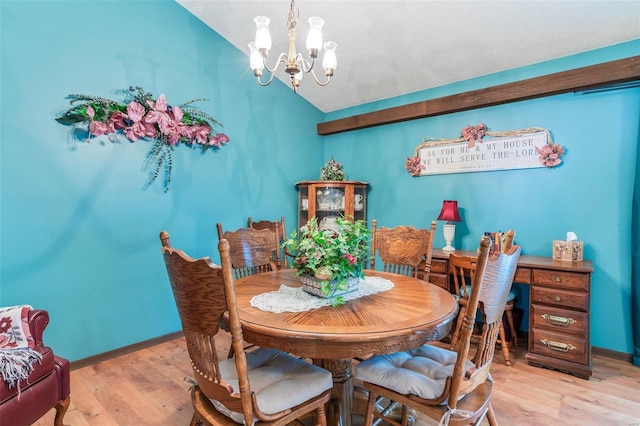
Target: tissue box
568, 250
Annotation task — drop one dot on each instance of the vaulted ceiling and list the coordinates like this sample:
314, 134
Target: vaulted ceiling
390, 48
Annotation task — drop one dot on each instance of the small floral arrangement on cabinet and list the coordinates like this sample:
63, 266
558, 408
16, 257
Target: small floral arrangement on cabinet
332, 170
140, 117
331, 255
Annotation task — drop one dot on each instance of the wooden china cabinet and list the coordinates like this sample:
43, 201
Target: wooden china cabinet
331, 198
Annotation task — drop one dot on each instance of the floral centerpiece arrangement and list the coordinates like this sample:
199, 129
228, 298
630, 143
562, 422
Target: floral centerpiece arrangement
141, 116
334, 257
332, 171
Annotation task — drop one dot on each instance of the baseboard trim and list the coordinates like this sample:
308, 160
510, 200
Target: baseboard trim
125, 350
608, 353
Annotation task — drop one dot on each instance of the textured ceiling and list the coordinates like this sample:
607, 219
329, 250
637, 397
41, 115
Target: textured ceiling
389, 48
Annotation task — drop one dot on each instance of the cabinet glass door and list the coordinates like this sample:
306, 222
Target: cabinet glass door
329, 199
329, 202
360, 203
303, 205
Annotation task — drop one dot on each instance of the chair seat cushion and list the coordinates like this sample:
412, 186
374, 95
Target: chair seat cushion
280, 381
422, 371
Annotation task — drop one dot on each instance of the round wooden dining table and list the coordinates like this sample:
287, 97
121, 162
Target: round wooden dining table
408, 315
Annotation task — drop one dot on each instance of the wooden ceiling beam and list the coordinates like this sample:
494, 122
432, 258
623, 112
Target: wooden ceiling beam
579, 79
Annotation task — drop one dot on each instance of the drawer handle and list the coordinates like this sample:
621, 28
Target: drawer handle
558, 279
554, 320
558, 298
558, 346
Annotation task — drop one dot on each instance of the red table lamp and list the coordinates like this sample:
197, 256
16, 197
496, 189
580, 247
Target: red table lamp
450, 214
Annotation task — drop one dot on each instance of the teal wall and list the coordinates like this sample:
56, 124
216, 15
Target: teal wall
79, 236
591, 193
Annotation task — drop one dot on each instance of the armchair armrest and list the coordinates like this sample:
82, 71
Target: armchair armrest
38, 321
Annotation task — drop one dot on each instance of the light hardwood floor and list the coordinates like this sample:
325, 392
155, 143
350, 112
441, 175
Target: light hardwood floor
146, 387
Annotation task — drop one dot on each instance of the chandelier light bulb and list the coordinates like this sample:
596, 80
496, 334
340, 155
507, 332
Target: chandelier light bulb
256, 61
314, 39
330, 61
263, 37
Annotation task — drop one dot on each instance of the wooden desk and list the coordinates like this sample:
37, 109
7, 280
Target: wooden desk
558, 309
405, 317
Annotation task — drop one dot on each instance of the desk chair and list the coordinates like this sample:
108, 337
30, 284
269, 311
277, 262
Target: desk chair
403, 249
441, 383
285, 388
280, 229
252, 250
461, 269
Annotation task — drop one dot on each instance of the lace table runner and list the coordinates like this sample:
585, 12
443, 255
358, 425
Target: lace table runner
295, 299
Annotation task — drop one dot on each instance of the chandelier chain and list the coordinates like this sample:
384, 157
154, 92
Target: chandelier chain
294, 13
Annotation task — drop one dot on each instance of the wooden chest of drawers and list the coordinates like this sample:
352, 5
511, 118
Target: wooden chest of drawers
559, 321
558, 309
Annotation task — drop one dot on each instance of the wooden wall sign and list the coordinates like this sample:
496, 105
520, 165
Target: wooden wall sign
479, 150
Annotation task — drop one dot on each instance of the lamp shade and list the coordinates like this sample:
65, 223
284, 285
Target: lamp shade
330, 62
450, 211
314, 39
263, 37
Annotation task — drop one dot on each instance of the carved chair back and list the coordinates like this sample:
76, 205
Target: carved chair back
252, 250
280, 230
403, 250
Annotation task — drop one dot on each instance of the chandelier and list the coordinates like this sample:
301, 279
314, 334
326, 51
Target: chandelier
294, 63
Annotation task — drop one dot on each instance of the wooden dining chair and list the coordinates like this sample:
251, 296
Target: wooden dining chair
403, 250
280, 229
286, 388
461, 270
252, 250
442, 383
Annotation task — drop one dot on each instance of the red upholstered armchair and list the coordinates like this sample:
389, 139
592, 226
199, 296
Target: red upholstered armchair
47, 386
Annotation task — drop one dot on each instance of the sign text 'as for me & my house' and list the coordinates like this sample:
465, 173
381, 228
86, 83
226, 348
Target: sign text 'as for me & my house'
490, 154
